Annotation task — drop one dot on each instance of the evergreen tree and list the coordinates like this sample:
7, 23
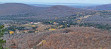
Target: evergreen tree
2, 30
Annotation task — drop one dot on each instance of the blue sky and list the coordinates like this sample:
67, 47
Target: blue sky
59, 1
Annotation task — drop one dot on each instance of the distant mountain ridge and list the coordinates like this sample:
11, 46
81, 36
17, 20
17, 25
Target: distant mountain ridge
75, 5
101, 7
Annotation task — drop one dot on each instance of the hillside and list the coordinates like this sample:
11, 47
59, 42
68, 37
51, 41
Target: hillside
96, 19
69, 38
23, 13
27, 11
14, 8
101, 7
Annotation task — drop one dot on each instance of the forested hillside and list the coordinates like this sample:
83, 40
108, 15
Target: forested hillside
101, 7
69, 38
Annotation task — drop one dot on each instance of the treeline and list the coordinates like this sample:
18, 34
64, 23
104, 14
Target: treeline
99, 26
70, 22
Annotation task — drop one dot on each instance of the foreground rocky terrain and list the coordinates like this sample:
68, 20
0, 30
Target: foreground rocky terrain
69, 38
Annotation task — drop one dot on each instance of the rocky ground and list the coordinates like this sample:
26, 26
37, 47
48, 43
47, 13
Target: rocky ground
69, 38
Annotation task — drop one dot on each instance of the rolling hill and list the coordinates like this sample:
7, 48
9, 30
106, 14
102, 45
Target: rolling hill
20, 11
14, 8
101, 7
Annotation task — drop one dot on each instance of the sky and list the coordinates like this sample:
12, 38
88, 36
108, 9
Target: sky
58, 1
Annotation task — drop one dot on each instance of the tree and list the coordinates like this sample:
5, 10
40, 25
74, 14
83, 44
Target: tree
2, 30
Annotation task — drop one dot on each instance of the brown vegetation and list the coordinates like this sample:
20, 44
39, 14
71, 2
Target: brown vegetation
74, 38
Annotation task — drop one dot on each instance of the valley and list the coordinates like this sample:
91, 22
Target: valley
55, 27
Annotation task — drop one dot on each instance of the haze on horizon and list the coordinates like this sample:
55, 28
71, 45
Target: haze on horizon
58, 1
